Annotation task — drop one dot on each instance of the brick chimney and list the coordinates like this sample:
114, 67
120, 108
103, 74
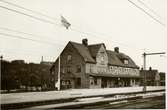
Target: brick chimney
85, 42
150, 68
116, 49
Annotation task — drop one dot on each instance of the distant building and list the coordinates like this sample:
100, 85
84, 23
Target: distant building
162, 78
93, 66
17, 61
17, 75
46, 63
152, 77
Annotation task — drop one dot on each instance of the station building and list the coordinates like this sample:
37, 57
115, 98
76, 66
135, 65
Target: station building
93, 66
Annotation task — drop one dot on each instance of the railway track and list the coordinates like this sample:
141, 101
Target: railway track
119, 101
100, 101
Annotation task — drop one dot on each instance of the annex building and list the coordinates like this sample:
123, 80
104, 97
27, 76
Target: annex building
93, 66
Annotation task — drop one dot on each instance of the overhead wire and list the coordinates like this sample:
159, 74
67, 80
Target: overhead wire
37, 18
25, 38
86, 33
149, 8
93, 35
158, 21
25, 53
25, 33
36, 12
73, 29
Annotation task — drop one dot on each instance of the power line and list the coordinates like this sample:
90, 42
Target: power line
149, 8
54, 23
34, 40
93, 35
21, 32
12, 30
25, 53
147, 13
39, 13
37, 18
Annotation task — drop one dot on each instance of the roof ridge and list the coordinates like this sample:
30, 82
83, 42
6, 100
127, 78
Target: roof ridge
83, 51
76, 42
95, 44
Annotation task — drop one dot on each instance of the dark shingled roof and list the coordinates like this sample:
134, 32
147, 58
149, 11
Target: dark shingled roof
89, 53
115, 58
94, 49
84, 52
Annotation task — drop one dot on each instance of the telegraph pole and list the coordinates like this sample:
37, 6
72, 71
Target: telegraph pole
1, 64
144, 67
0, 67
57, 84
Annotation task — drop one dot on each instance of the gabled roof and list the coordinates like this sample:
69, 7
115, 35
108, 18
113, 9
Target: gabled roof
83, 51
93, 49
115, 58
90, 52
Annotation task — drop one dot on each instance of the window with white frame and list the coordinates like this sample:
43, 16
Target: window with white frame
126, 61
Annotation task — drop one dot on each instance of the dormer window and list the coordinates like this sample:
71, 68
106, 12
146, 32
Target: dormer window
126, 61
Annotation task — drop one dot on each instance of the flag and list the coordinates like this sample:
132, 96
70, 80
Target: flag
65, 23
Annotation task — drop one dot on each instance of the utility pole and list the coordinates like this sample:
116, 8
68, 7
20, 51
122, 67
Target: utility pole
144, 67
1, 64
0, 67
57, 84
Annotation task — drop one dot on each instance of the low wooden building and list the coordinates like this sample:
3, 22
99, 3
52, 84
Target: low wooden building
152, 77
93, 66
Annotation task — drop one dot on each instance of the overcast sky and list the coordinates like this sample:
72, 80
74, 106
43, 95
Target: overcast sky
113, 22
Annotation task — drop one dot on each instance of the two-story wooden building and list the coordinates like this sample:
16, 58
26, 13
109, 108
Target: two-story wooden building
93, 66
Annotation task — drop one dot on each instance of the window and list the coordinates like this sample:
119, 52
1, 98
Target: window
52, 72
63, 83
78, 68
69, 58
95, 81
78, 81
67, 82
126, 62
68, 69
52, 79
63, 70
91, 83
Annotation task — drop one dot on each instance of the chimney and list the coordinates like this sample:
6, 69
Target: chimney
85, 42
141, 68
150, 68
116, 49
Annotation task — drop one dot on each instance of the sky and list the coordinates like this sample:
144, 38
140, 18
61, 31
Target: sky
117, 23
